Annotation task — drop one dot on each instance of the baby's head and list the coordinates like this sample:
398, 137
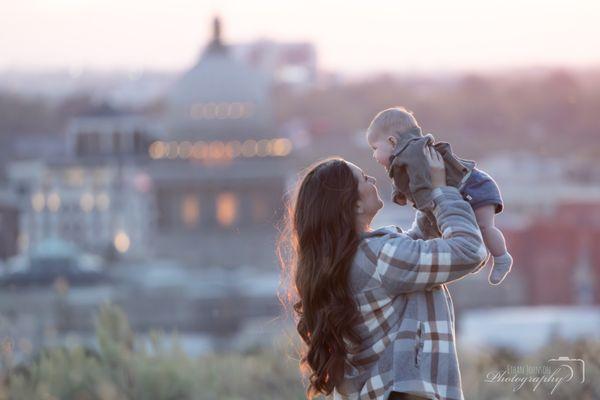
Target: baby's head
383, 132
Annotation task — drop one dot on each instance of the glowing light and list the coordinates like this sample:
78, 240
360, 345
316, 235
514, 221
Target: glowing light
210, 110
121, 242
185, 149
249, 148
213, 110
216, 150
227, 208
103, 201
86, 202
222, 110
53, 202
232, 149
38, 202
263, 148
281, 147
199, 150
235, 148
157, 150
173, 150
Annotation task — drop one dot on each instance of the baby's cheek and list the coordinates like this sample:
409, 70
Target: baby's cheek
385, 161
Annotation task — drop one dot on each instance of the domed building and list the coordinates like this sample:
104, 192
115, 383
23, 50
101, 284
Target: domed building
220, 170
203, 185
220, 96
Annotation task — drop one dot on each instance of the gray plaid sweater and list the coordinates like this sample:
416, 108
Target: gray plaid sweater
407, 319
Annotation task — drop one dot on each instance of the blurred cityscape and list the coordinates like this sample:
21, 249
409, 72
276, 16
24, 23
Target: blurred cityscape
162, 192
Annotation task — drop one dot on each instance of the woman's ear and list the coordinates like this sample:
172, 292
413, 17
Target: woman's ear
359, 207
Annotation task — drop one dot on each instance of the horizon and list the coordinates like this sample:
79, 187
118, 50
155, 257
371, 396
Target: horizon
361, 43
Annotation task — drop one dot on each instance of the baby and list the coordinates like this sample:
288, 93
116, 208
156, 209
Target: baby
397, 143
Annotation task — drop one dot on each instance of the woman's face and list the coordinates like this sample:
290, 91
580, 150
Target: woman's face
369, 202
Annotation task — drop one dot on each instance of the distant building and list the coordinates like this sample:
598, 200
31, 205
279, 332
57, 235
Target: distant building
555, 253
103, 208
292, 64
526, 329
203, 184
9, 227
555, 263
96, 195
220, 171
533, 187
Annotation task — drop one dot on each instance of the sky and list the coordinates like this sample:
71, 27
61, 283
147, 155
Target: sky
352, 36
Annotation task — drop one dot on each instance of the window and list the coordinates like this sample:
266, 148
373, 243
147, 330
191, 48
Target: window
227, 208
260, 208
190, 210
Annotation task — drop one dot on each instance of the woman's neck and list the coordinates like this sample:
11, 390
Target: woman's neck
364, 224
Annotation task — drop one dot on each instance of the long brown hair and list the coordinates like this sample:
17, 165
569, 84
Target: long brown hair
315, 249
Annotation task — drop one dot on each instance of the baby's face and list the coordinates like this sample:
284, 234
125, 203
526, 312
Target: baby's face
383, 147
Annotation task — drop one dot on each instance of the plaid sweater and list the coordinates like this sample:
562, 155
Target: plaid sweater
407, 318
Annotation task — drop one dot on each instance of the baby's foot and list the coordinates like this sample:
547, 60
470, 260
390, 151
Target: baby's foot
500, 269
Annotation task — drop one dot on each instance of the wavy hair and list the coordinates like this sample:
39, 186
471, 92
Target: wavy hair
315, 250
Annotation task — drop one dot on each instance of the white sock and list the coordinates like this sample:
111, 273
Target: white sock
502, 265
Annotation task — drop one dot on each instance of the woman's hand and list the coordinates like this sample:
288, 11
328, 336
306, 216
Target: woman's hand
437, 168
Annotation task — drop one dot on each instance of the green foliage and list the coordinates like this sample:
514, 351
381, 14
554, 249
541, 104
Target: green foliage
123, 369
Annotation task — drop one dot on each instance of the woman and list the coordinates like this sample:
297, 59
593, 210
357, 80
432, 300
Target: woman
372, 306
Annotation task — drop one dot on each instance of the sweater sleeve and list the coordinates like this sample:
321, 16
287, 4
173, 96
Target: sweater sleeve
422, 228
419, 177
405, 264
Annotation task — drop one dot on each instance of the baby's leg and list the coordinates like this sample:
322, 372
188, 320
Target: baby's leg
492, 236
494, 241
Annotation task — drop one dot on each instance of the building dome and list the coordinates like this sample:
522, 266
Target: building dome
219, 95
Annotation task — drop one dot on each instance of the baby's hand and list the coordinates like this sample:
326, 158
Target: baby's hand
437, 168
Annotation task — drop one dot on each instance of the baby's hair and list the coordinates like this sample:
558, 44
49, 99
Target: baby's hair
394, 121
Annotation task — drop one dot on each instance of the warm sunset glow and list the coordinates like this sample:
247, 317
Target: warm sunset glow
158, 150
387, 35
122, 242
53, 202
282, 147
218, 150
227, 208
37, 202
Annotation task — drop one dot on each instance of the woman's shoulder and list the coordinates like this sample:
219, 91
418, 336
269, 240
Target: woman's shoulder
377, 237
366, 257
382, 231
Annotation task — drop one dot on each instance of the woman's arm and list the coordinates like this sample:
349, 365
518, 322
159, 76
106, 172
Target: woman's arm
406, 265
422, 227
